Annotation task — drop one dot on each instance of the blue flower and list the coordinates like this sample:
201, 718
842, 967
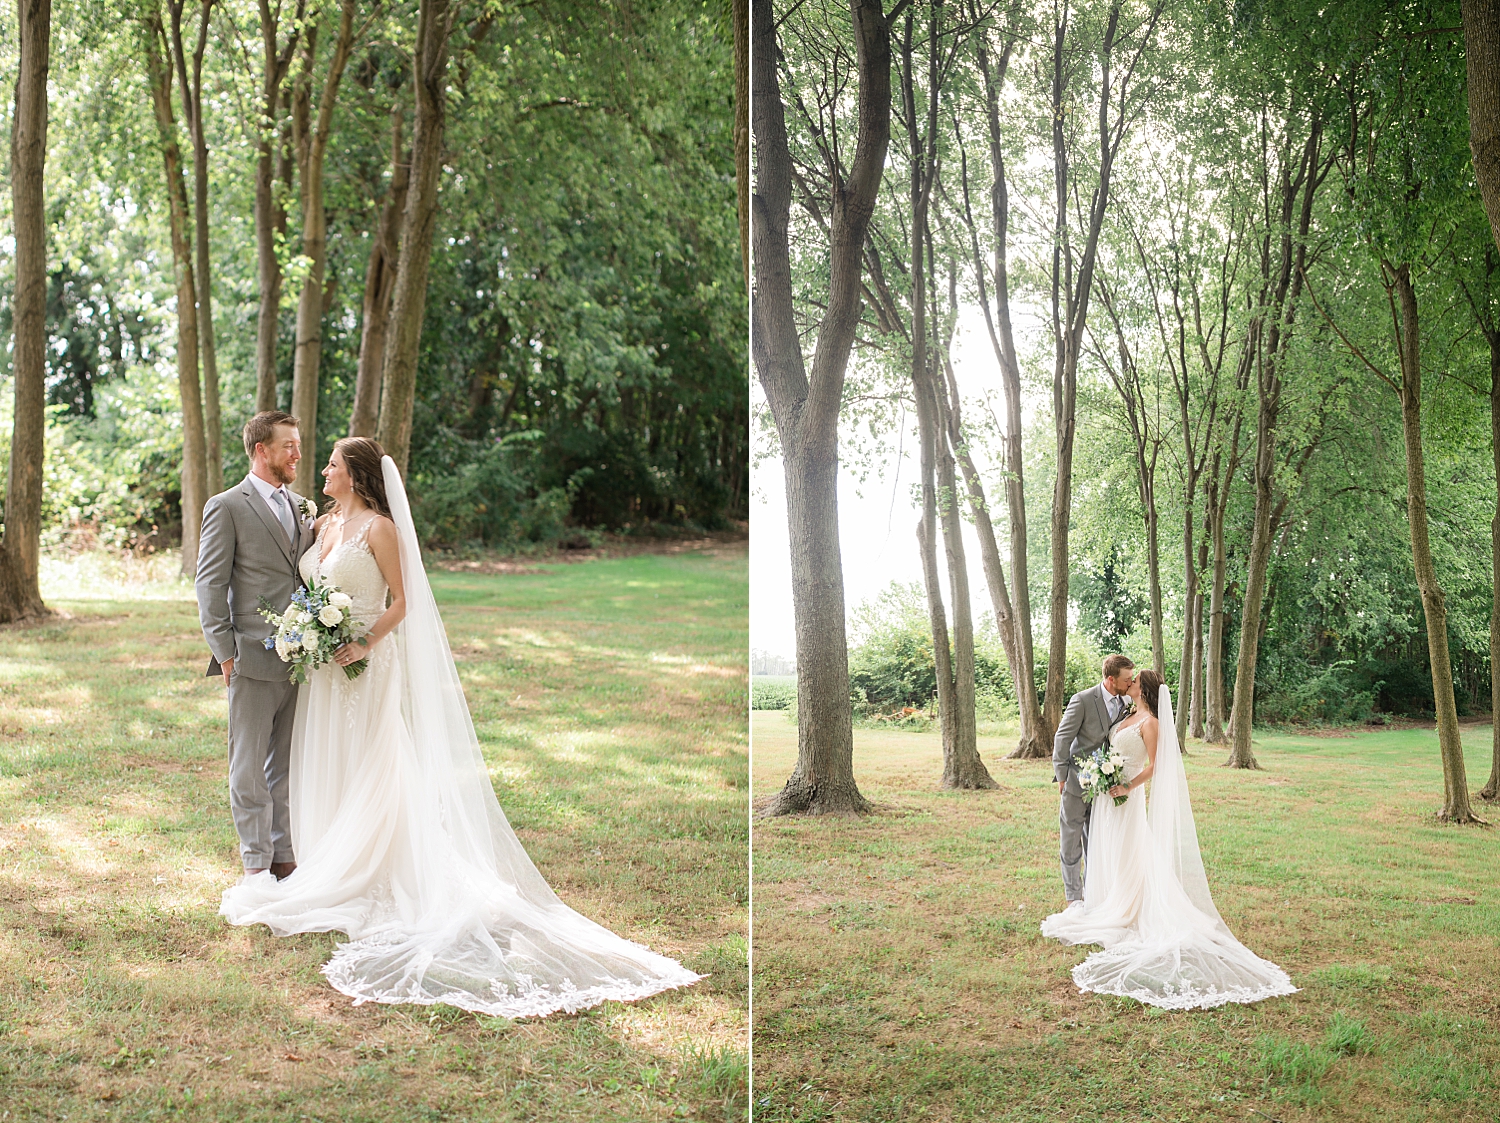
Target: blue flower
270, 643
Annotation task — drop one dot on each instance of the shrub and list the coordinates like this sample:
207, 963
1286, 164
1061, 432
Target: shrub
773, 692
491, 499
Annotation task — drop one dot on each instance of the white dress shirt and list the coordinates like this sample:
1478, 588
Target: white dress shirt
268, 493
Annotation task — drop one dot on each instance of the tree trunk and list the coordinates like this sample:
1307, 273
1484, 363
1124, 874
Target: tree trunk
1153, 567
739, 13
1481, 20
1199, 693
20, 542
1456, 806
1491, 788
380, 283
270, 215
962, 766
311, 152
194, 468
1241, 754
1070, 309
806, 409
192, 112
1014, 621
430, 71
1185, 674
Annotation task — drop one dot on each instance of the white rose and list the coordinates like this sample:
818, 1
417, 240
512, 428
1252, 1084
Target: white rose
343, 600
310, 642
1108, 767
331, 616
301, 616
283, 649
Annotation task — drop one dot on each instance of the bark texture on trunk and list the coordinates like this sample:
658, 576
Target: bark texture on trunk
1199, 693
271, 163
20, 542
1481, 20
409, 302
190, 78
194, 468
1491, 789
312, 148
1456, 806
380, 284
806, 407
739, 12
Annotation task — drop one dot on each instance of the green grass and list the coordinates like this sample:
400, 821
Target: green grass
610, 701
900, 974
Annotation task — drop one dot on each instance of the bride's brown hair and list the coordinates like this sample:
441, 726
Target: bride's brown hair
1150, 690
362, 461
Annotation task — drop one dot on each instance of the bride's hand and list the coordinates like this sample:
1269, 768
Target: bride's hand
350, 653
1120, 791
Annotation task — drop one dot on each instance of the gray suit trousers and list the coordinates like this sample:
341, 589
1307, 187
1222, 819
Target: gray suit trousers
1073, 830
260, 757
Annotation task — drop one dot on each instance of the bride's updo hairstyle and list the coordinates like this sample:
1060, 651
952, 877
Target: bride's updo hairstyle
1150, 690
362, 461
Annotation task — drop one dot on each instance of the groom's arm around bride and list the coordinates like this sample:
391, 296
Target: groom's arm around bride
1084, 727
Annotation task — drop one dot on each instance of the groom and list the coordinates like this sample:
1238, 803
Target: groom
1085, 725
253, 535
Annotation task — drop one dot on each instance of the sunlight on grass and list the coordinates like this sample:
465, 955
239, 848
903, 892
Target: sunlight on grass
900, 972
121, 988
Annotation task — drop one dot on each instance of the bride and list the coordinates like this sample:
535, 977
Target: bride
1145, 896
400, 840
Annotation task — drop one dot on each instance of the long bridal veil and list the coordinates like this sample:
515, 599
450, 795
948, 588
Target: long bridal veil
470, 920
1170, 813
1177, 952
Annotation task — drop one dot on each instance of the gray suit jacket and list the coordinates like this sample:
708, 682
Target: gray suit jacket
243, 555
1084, 727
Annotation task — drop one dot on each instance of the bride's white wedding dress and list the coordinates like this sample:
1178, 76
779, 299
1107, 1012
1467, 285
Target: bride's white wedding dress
399, 839
1146, 899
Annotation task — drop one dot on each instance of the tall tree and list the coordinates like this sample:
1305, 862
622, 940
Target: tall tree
20, 540
190, 79
805, 404
409, 301
310, 140
739, 13
380, 285
194, 450
1012, 616
1072, 274
962, 767
273, 164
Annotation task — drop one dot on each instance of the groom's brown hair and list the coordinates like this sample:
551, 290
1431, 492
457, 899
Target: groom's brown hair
1114, 664
262, 427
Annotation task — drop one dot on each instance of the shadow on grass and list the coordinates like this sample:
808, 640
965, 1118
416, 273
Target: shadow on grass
123, 994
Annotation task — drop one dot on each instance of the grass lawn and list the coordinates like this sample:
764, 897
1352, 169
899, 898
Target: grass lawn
610, 701
900, 973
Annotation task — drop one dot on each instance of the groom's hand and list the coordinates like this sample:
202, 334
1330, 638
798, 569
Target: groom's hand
228, 668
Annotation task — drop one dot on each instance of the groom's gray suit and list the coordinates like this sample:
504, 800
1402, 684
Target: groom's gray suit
244, 554
1084, 727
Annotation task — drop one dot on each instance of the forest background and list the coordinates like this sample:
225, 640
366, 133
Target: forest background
231, 189
1230, 270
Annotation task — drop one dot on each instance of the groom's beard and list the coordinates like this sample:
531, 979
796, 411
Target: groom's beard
284, 474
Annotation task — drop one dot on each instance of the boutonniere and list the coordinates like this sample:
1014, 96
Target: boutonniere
309, 509
1129, 708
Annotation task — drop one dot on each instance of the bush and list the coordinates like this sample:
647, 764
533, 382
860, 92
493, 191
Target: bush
1295, 691
491, 499
773, 692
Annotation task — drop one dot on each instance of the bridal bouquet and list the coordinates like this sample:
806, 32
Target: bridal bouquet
315, 625
1101, 770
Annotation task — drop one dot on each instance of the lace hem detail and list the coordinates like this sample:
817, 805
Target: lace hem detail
1170, 998
520, 1001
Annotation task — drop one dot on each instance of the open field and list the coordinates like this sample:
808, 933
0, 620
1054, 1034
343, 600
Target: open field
900, 974
610, 700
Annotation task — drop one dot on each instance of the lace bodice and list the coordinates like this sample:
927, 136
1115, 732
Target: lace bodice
352, 569
1131, 745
